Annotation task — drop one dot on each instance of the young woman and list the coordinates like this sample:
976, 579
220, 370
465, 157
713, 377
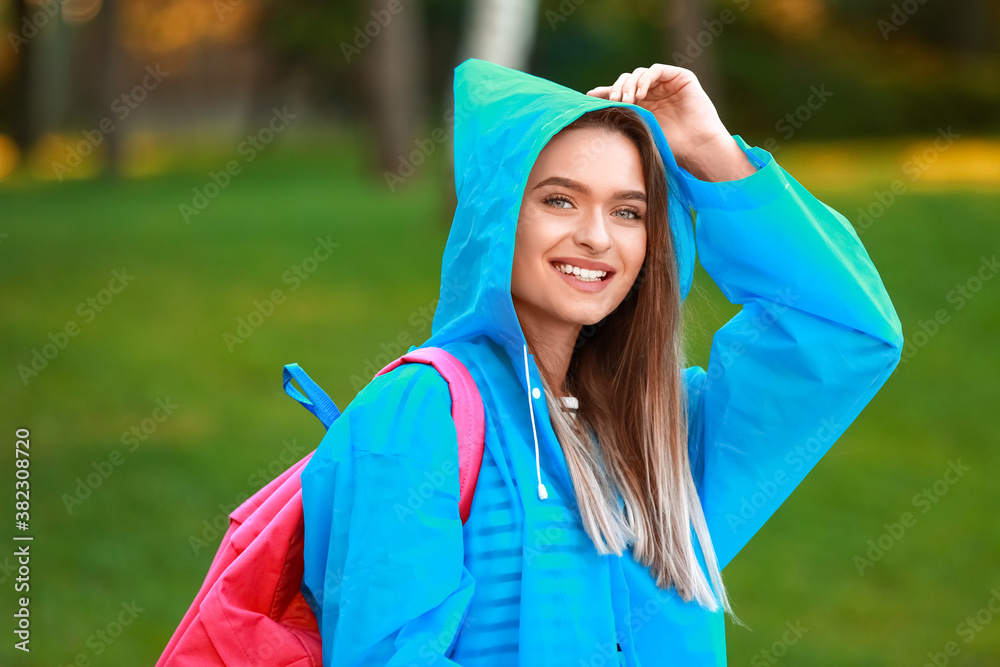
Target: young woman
616, 483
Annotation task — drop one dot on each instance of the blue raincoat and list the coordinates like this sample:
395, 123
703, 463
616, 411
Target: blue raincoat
394, 576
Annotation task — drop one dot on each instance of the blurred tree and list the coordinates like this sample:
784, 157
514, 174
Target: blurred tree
395, 75
500, 31
973, 32
367, 59
15, 113
43, 43
687, 20
111, 65
357, 63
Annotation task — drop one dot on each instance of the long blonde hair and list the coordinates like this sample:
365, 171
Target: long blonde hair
630, 433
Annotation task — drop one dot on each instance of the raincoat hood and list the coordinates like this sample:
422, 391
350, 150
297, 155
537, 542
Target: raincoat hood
503, 120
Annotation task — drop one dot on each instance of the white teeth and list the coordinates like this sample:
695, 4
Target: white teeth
586, 275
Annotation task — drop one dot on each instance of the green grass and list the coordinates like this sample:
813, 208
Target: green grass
162, 336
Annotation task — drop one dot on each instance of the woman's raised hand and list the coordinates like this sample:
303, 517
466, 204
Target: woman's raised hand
698, 139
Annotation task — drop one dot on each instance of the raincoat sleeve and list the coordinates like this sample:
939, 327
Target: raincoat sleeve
816, 338
384, 551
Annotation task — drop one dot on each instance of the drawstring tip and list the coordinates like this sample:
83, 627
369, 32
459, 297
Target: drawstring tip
542, 493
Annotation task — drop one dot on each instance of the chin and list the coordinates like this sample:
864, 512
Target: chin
588, 318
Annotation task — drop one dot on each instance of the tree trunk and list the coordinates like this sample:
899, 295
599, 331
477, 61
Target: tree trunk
972, 30
501, 32
685, 20
47, 81
111, 65
21, 111
395, 73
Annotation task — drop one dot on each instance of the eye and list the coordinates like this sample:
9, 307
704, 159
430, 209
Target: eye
558, 198
633, 213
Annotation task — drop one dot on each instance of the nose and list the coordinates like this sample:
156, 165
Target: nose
592, 232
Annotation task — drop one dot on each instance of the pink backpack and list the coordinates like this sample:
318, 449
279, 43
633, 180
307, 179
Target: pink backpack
250, 609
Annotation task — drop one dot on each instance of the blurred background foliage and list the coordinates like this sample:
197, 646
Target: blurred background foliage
895, 69
281, 125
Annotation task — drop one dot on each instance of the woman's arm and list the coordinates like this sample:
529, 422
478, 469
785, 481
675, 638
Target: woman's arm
698, 140
384, 551
815, 340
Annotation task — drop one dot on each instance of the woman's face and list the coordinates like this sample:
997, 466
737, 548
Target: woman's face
584, 206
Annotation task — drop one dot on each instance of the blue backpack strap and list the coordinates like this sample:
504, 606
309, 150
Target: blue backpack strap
311, 397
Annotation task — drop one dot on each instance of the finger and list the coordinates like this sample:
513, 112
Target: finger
668, 73
645, 82
628, 88
600, 91
616, 87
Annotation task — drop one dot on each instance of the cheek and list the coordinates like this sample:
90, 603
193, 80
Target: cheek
633, 254
529, 242
634, 251
525, 257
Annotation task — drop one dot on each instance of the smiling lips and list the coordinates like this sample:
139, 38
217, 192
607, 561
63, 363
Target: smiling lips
586, 275
592, 279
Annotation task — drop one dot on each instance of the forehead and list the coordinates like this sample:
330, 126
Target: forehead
602, 158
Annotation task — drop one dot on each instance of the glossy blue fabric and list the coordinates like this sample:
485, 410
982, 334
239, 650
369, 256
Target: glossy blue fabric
395, 577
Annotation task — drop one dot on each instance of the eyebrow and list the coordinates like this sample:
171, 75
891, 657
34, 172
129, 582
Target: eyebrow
580, 187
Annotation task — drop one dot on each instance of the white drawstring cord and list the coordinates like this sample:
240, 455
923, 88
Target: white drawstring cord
542, 493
